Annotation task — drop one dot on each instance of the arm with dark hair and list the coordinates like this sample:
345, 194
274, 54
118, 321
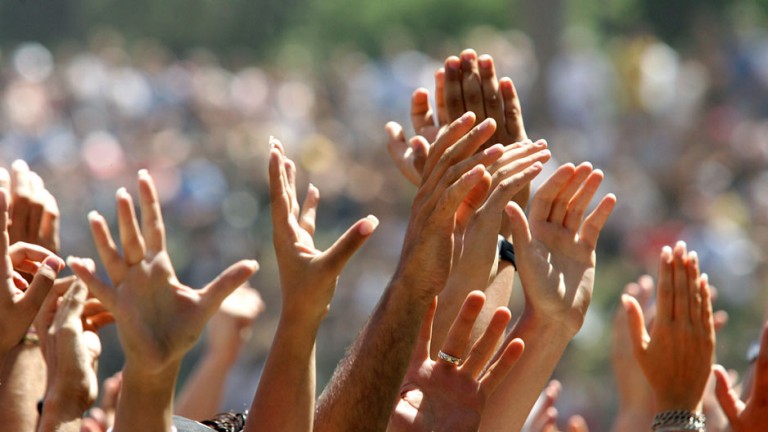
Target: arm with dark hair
364, 386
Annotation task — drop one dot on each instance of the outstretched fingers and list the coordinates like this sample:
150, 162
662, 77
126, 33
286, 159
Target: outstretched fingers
594, 223
85, 271
130, 237
484, 348
458, 336
502, 366
106, 248
729, 400
152, 225
226, 282
422, 116
635, 324
342, 250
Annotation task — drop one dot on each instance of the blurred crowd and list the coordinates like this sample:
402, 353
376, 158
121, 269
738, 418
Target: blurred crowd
680, 134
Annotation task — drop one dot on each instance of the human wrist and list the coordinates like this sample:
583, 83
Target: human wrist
547, 326
59, 407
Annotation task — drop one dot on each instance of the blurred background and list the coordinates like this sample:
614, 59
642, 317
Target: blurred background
668, 97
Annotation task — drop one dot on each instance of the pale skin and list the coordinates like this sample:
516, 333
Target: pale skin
285, 398
361, 392
158, 318
555, 248
440, 396
676, 356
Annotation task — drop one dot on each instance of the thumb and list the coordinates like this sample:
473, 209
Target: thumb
226, 282
728, 399
638, 335
41, 284
342, 250
85, 271
521, 232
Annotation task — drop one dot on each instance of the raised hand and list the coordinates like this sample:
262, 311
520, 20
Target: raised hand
749, 416
636, 404
555, 246
71, 354
308, 276
676, 356
438, 395
543, 416
158, 318
34, 211
19, 300
555, 254
230, 326
464, 84
363, 385
476, 238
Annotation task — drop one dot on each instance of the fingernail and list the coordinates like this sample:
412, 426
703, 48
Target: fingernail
486, 124
369, 225
53, 262
468, 117
121, 193
452, 63
272, 141
484, 61
253, 264
540, 143
494, 150
143, 173
20, 164
93, 215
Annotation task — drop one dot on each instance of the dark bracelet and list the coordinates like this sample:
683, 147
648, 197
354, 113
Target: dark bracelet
678, 420
506, 251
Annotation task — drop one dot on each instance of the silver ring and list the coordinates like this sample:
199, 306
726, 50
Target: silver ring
449, 358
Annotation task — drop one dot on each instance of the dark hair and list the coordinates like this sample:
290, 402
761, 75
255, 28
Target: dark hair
227, 422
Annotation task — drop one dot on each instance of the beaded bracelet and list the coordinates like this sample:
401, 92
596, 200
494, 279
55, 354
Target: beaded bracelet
678, 420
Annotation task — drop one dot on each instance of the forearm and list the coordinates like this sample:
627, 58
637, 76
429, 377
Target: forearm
362, 391
22, 384
201, 395
146, 400
509, 405
497, 294
285, 399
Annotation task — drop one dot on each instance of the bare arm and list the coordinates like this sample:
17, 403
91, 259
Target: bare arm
363, 389
285, 399
227, 330
158, 318
555, 249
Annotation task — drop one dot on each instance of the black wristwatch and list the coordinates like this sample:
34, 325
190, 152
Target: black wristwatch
506, 251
